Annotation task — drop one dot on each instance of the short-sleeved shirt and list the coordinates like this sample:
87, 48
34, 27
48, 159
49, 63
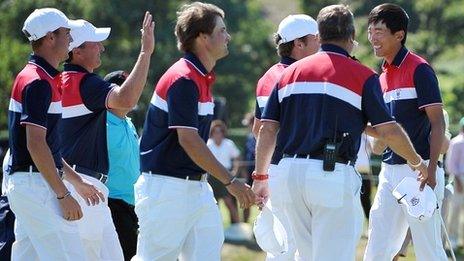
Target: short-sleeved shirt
182, 99
83, 129
124, 159
264, 89
225, 152
35, 100
409, 85
321, 91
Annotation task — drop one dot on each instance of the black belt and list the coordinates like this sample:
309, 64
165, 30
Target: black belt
100, 176
319, 157
196, 177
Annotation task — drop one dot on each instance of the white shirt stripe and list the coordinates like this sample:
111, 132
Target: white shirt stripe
262, 101
204, 108
159, 102
15, 106
75, 111
400, 94
328, 88
55, 108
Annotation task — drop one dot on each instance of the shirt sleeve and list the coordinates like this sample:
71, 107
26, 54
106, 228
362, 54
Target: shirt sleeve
272, 110
426, 82
36, 100
373, 105
95, 91
182, 100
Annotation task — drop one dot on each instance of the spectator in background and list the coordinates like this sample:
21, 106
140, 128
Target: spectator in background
124, 170
455, 167
364, 168
227, 153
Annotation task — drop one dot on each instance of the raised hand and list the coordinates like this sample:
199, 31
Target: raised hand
148, 36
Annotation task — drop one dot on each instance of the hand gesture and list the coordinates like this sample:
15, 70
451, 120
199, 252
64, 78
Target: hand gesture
243, 193
261, 189
70, 208
423, 175
89, 193
148, 37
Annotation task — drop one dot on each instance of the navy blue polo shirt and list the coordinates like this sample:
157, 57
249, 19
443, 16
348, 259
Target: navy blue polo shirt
316, 92
409, 85
35, 100
182, 99
83, 128
263, 90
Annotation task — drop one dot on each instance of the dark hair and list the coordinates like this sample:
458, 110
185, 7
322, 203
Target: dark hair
285, 49
336, 23
193, 19
218, 124
394, 17
37, 43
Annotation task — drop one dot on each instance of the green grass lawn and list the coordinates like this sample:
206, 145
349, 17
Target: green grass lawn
250, 252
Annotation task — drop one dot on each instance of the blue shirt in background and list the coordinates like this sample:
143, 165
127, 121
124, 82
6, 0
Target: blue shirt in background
124, 159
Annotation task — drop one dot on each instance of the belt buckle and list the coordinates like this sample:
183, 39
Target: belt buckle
103, 178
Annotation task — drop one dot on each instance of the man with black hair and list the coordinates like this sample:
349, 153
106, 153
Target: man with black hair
411, 92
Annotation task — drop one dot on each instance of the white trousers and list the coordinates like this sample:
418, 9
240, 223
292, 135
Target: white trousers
178, 220
96, 227
389, 221
276, 189
41, 231
324, 208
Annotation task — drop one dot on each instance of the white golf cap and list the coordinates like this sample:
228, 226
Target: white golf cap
269, 232
84, 31
296, 26
44, 20
419, 204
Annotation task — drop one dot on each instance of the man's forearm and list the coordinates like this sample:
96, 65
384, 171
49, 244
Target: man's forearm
265, 147
378, 147
69, 174
132, 88
200, 154
43, 159
399, 142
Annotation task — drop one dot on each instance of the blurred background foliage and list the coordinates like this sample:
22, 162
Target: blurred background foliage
436, 33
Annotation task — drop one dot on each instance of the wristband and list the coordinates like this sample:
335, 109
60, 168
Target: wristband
230, 182
256, 176
67, 194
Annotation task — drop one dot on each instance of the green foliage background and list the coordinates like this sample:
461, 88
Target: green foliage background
436, 32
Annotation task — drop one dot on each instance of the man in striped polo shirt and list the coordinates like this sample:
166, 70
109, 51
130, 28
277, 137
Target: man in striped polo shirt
296, 38
411, 92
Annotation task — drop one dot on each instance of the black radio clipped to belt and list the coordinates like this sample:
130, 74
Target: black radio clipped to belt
331, 150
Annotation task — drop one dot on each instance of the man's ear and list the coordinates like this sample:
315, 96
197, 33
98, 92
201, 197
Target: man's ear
399, 35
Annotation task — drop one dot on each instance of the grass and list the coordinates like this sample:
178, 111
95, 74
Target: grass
250, 251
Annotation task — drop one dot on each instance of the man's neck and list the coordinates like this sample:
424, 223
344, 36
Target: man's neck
49, 57
89, 69
391, 56
345, 45
205, 59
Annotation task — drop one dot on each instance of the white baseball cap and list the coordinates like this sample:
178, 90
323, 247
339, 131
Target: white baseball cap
84, 31
269, 232
296, 26
44, 20
419, 204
